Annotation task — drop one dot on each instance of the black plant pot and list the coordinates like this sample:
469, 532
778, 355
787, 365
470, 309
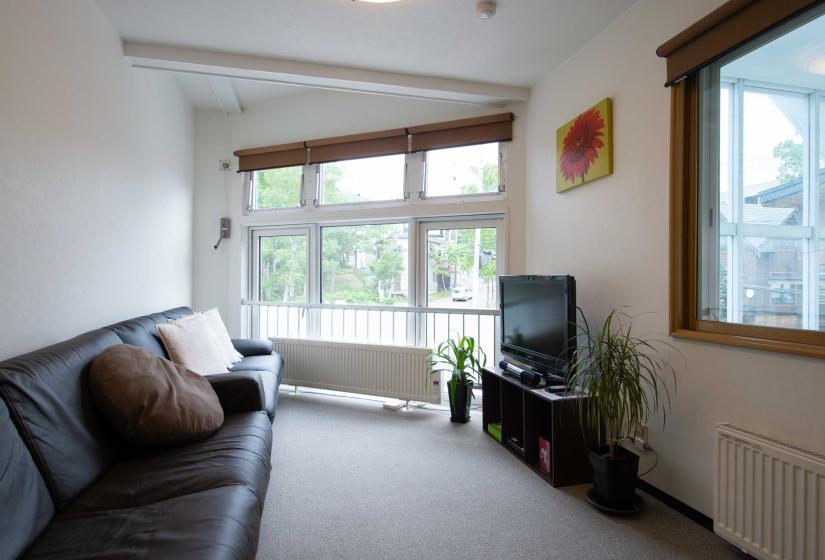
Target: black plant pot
460, 399
614, 479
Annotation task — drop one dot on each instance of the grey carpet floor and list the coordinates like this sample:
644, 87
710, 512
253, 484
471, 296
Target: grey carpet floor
351, 480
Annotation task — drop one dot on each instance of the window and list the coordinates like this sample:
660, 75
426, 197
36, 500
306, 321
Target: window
277, 188
359, 282
462, 265
748, 174
282, 272
363, 180
464, 170
365, 264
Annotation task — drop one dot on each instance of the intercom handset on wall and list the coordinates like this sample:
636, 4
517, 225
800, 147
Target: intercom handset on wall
226, 227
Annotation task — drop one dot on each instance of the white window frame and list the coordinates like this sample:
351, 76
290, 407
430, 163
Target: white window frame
255, 263
736, 230
466, 222
249, 194
414, 193
411, 223
418, 227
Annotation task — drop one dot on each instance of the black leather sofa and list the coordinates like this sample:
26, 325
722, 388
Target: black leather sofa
72, 488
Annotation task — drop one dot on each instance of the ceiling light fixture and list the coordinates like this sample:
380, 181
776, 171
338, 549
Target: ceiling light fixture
486, 9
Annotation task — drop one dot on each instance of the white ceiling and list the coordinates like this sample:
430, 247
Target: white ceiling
249, 92
796, 59
442, 38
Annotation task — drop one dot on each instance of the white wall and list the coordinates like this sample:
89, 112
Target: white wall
305, 115
612, 235
95, 178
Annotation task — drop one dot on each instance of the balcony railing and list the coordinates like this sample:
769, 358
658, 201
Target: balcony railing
374, 324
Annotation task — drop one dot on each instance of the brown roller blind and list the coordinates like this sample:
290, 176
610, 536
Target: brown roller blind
727, 27
354, 146
269, 157
464, 132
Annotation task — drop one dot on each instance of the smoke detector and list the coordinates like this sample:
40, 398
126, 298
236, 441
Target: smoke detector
486, 9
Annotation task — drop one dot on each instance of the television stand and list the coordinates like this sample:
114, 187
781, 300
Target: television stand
526, 414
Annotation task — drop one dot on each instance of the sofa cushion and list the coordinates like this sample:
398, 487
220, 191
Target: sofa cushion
150, 400
270, 362
49, 401
237, 454
213, 319
191, 344
27, 506
217, 524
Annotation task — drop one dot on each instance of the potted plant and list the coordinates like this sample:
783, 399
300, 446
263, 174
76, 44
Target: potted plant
623, 377
464, 361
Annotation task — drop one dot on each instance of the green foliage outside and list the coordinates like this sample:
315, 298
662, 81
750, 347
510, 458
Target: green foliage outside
332, 194
278, 188
283, 268
792, 158
487, 176
360, 264
457, 256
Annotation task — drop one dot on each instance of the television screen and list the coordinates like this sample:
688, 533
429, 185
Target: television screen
536, 318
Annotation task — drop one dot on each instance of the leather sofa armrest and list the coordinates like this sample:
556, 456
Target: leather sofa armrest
252, 347
239, 392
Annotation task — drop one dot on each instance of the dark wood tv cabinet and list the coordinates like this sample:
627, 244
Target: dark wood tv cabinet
526, 414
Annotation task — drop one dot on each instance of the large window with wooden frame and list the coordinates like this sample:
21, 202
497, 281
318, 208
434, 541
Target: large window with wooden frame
748, 178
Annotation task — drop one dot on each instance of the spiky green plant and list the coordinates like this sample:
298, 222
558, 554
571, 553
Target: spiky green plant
462, 359
624, 377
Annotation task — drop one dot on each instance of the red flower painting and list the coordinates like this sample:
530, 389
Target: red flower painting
581, 144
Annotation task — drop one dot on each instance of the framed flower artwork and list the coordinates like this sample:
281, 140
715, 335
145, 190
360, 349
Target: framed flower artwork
584, 147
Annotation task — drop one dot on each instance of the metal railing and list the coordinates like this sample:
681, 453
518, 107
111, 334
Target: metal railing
374, 324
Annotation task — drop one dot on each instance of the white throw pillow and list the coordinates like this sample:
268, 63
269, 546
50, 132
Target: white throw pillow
213, 319
191, 344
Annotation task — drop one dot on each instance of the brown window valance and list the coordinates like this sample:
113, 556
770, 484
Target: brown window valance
269, 157
724, 29
369, 144
463, 132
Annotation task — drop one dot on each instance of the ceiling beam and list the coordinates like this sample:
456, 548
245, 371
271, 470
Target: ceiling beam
225, 94
280, 71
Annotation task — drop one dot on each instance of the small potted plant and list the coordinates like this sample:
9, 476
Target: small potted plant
623, 377
464, 361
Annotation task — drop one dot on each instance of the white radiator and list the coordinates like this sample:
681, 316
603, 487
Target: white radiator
399, 372
769, 498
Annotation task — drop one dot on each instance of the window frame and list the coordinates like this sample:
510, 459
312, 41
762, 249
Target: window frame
502, 178
466, 222
685, 245
319, 256
250, 194
417, 228
414, 192
258, 234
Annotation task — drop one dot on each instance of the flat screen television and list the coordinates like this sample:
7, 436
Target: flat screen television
538, 315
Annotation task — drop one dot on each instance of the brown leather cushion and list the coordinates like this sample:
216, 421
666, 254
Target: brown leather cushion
152, 401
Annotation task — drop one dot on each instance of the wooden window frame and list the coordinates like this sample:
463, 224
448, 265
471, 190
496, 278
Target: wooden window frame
684, 246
